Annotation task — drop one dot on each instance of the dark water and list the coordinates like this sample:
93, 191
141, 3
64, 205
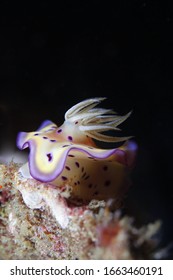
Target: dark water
51, 59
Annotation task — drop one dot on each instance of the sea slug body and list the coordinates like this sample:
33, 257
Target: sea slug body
68, 155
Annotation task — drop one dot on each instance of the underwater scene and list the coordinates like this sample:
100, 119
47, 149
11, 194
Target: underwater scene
86, 133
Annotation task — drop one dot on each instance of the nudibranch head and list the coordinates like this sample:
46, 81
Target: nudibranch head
68, 155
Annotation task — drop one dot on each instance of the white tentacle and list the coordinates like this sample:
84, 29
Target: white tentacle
94, 121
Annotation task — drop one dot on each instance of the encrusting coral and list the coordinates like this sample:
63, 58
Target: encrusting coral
93, 231
63, 203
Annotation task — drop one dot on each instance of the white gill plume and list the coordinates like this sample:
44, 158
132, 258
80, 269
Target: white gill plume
93, 121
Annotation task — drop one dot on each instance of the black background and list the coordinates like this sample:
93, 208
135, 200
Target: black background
52, 57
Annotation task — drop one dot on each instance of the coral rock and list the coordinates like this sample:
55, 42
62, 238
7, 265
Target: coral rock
38, 222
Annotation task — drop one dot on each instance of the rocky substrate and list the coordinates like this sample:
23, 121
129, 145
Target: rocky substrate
38, 222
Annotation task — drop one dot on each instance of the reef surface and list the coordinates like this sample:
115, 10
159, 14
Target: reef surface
38, 221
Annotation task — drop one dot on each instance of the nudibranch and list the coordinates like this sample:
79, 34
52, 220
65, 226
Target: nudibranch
68, 155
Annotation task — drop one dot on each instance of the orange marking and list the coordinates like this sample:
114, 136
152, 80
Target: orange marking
0, 187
